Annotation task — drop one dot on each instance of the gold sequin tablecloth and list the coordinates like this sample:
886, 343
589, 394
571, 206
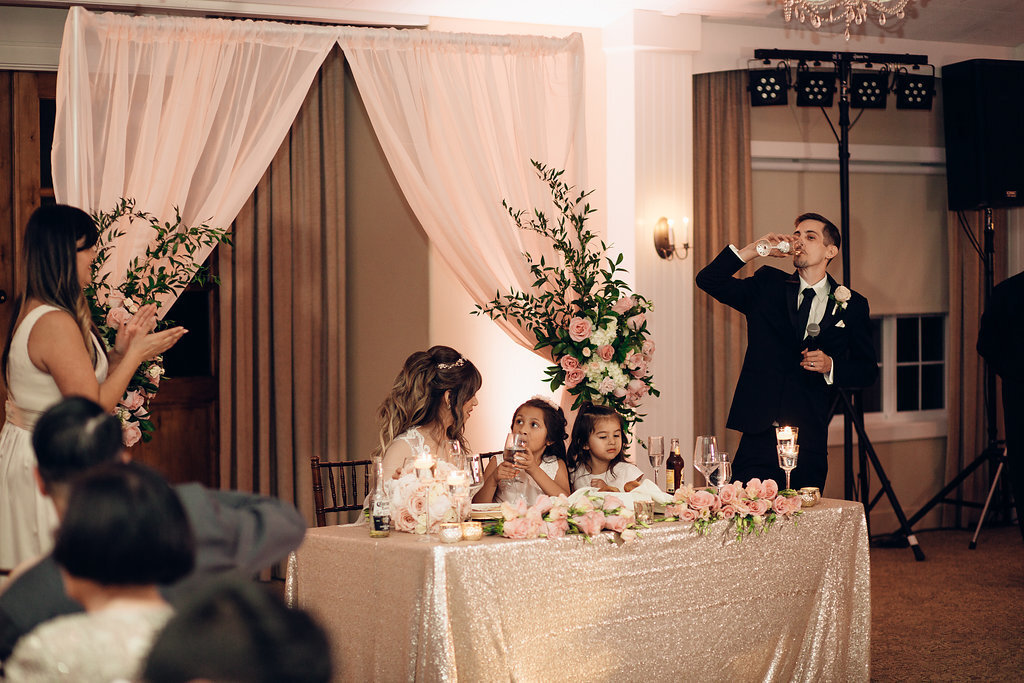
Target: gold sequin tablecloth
791, 605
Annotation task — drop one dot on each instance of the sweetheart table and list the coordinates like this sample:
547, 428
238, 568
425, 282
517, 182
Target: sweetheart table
790, 605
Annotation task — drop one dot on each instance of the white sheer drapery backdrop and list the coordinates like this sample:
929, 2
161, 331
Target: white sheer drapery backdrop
174, 112
189, 113
459, 118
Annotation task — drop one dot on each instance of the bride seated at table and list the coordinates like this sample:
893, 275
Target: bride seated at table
432, 397
542, 469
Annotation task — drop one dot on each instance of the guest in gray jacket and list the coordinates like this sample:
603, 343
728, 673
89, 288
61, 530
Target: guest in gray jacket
240, 533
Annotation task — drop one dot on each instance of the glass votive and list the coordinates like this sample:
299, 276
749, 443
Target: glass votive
810, 495
644, 511
786, 435
450, 532
472, 531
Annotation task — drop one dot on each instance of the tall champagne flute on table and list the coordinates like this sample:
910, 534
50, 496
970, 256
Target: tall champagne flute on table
788, 454
656, 453
705, 456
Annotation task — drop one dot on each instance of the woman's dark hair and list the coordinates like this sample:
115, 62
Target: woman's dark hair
554, 423
73, 436
237, 631
50, 246
417, 396
124, 526
585, 425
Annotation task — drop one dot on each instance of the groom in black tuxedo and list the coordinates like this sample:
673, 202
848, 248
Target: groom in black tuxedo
788, 377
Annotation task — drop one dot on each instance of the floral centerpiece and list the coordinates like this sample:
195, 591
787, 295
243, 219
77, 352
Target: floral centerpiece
753, 508
420, 504
580, 309
166, 267
550, 517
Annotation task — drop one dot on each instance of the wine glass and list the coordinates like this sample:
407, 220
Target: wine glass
656, 453
788, 454
724, 468
704, 456
515, 444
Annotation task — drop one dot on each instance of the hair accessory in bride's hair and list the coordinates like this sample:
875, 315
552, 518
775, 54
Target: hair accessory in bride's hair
546, 399
448, 366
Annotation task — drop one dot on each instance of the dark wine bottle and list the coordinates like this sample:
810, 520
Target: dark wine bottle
674, 468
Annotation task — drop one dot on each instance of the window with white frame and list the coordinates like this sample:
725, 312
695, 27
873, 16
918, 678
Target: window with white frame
912, 366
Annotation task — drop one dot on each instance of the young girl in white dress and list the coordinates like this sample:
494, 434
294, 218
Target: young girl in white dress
52, 351
432, 397
597, 451
543, 470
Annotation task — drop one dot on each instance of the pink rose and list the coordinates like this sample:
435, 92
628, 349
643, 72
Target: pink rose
516, 528
728, 493
591, 523
568, 363
688, 515
728, 511
418, 503
674, 510
702, 500
647, 349
637, 386
583, 506
634, 360
556, 529
781, 505
574, 377
742, 508
619, 392
606, 386
133, 400
769, 489
641, 370
628, 535
404, 521
542, 504
611, 503
623, 305
616, 523
753, 488
115, 299
117, 317
579, 329
636, 322
130, 434
759, 506
606, 352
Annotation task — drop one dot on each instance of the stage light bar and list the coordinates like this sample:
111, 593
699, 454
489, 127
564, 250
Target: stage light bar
914, 90
768, 86
815, 88
868, 89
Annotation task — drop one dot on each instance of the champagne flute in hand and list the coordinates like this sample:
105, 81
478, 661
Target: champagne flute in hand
656, 453
515, 445
787, 459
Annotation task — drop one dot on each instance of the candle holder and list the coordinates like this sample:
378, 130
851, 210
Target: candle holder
450, 532
472, 531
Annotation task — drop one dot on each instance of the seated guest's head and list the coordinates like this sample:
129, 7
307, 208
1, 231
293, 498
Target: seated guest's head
237, 631
123, 527
435, 389
70, 438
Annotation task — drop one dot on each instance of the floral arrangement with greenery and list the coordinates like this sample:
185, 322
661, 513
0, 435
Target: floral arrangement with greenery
586, 513
594, 325
752, 508
166, 267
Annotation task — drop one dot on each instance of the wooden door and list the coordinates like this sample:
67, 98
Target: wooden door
185, 411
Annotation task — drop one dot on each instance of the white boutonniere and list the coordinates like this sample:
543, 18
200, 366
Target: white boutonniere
841, 296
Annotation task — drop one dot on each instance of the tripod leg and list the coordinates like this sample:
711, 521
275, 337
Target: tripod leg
984, 511
883, 480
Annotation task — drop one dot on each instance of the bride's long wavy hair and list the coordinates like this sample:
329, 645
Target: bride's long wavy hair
51, 244
417, 396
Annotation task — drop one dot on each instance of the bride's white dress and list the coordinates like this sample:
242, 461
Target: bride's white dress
27, 518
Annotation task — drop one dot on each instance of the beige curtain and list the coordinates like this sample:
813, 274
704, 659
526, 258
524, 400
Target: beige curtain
282, 309
967, 433
722, 215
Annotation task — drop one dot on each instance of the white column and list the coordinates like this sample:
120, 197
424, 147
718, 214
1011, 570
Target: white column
649, 60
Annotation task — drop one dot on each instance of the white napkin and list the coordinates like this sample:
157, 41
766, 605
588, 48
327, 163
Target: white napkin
647, 490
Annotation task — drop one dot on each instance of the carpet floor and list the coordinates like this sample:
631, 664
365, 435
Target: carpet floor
957, 616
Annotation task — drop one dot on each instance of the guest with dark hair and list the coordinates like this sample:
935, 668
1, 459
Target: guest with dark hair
597, 451
237, 631
234, 532
123, 532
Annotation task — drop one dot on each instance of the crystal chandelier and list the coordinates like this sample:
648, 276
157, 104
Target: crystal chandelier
818, 12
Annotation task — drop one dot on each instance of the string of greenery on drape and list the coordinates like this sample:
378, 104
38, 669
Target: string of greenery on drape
723, 215
966, 434
282, 309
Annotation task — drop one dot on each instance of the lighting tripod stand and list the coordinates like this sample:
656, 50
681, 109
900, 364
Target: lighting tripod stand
995, 451
844, 62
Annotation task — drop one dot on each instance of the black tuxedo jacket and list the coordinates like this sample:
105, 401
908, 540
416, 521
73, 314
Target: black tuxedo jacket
772, 387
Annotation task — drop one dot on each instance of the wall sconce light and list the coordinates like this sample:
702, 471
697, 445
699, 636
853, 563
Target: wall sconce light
665, 239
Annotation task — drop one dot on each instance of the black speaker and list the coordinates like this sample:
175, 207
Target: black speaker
983, 105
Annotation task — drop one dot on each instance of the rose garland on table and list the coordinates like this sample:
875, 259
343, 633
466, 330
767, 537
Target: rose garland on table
753, 508
554, 517
595, 326
167, 266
